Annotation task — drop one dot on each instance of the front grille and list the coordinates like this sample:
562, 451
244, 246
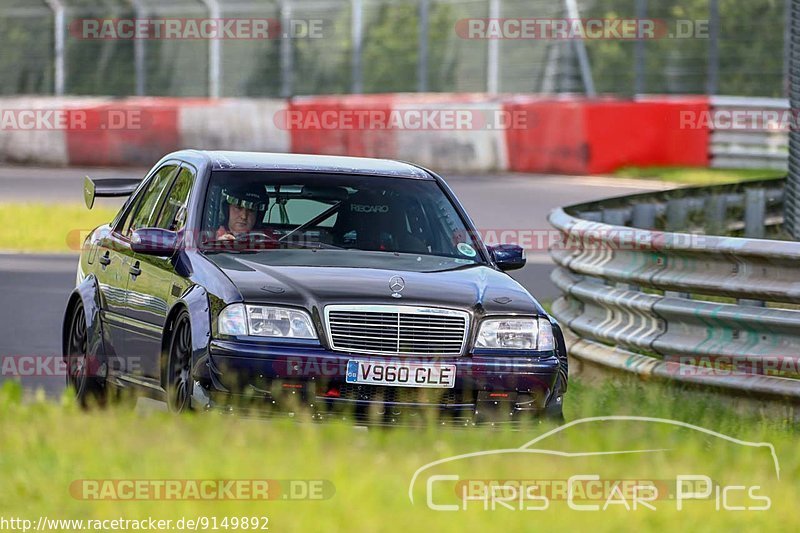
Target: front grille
396, 330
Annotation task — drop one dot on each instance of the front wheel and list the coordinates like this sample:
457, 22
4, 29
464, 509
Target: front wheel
82, 372
555, 410
178, 376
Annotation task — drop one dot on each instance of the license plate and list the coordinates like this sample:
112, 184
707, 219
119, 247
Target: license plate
398, 374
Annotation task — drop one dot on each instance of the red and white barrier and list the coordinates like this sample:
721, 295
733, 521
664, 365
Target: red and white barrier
454, 132
133, 132
476, 141
578, 136
33, 130
233, 124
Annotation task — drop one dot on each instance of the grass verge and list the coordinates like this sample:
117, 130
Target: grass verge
47, 449
698, 175
54, 228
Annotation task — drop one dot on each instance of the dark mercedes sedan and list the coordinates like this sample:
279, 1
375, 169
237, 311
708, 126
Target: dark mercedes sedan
331, 287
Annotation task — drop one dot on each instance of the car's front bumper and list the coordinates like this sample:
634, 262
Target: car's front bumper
284, 377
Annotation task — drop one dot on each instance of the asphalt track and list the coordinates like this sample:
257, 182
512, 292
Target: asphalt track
34, 288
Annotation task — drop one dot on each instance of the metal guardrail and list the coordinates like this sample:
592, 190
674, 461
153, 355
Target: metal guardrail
640, 296
763, 145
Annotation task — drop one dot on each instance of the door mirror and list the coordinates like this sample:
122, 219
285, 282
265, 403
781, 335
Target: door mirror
154, 241
508, 256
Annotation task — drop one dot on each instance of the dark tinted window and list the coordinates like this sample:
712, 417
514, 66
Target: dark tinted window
145, 209
173, 214
349, 212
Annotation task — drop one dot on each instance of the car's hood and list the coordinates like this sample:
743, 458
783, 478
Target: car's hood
476, 288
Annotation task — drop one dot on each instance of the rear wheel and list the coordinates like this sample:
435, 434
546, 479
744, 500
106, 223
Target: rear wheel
82, 373
178, 378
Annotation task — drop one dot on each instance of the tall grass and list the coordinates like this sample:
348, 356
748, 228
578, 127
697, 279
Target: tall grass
45, 447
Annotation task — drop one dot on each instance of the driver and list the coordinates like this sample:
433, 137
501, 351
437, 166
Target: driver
242, 206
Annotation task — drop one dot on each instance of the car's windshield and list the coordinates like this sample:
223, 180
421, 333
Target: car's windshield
247, 210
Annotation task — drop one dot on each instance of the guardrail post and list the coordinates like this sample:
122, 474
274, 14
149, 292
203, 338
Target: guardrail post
644, 216
755, 206
716, 212
677, 214
615, 217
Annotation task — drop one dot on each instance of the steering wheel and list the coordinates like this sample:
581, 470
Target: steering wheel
257, 239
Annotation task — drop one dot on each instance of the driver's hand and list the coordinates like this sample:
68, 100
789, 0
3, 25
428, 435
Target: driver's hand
227, 237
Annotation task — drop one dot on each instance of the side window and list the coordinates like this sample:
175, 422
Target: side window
143, 213
173, 214
125, 222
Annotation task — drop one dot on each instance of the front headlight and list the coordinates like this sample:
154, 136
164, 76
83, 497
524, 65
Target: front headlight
265, 321
516, 334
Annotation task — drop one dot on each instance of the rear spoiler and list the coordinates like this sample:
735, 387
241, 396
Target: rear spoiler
107, 188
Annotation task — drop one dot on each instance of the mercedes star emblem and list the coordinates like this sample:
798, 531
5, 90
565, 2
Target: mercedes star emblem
396, 284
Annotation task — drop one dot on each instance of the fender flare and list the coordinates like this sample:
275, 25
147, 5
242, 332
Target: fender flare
561, 353
195, 301
88, 293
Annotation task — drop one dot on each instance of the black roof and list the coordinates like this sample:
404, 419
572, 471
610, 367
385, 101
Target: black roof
224, 160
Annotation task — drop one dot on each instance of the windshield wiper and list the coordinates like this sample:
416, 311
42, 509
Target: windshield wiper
314, 246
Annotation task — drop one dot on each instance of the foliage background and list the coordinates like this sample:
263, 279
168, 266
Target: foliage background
751, 50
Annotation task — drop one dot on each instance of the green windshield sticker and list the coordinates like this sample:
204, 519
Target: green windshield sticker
466, 249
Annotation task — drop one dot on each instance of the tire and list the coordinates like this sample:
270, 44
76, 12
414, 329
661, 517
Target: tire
554, 412
82, 370
178, 379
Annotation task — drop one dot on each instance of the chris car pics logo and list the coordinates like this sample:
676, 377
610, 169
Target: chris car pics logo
449, 485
